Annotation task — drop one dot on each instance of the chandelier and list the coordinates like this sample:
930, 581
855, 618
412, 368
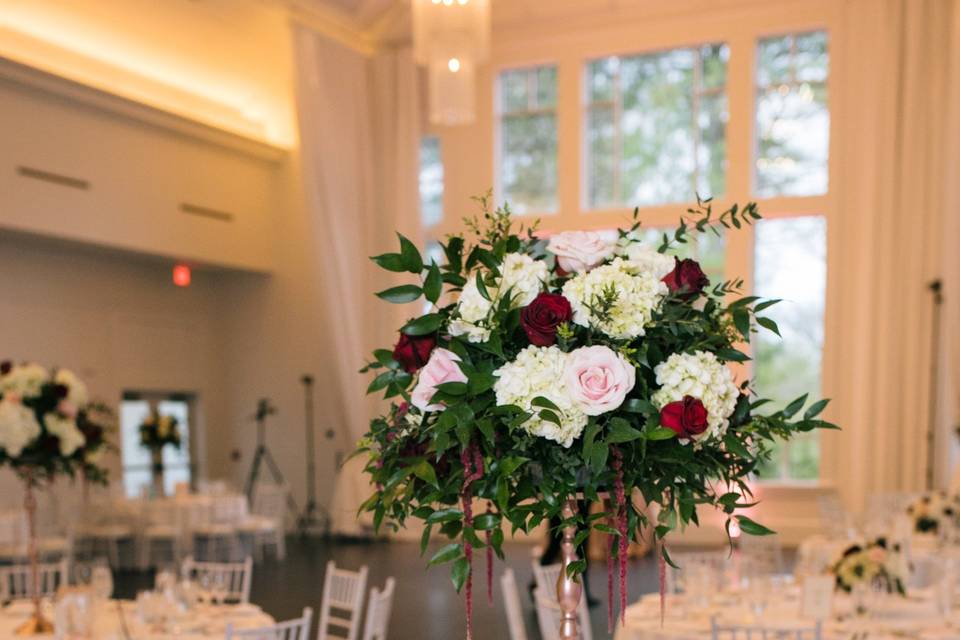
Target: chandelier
450, 38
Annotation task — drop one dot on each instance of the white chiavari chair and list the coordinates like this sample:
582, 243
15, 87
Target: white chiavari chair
16, 581
160, 533
546, 577
298, 629
511, 602
834, 519
266, 525
696, 565
378, 612
233, 579
342, 590
763, 632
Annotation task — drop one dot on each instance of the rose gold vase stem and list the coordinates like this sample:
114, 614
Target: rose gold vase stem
569, 589
37, 624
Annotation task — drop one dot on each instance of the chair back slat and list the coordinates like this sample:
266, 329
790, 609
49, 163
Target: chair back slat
298, 629
378, 612
342, 590
234, 577
511, 601
16, 581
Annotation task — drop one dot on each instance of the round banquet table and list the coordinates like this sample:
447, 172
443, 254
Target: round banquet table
895, 618
119, 620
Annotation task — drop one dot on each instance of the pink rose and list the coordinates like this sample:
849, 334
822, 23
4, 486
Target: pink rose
598, 379
579, 251
441, 367
67, 408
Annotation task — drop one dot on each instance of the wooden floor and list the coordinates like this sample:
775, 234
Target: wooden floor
425, 607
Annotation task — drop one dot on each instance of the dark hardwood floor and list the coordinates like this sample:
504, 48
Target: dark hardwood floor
425, 607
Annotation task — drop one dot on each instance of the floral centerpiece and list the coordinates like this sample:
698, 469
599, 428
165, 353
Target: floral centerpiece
576, 366
48, 427
156, 432
876, 562
935, 512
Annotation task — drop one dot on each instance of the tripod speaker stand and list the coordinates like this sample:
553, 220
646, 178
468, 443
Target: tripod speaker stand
264, 409
314, 516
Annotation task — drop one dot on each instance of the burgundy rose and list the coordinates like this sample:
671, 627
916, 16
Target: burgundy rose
5, 367
541, 318
687, 279
688, 417
412, 352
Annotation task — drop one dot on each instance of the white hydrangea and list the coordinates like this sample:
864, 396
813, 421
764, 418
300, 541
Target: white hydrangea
648, 259
24, 380
538, 371
472, 312
70, 437
521, 275
699, 375
18, 427
638, 291
77, 390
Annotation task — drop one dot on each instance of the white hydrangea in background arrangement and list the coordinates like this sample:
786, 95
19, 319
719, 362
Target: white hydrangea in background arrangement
18, 427
521, 275
699, 376
65, 428
634, 291
537, 372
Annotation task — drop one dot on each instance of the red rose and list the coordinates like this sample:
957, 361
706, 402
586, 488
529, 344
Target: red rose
541, 318
688, 417
687, 279
412, 352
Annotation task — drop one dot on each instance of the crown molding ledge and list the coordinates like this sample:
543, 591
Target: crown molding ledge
26, 76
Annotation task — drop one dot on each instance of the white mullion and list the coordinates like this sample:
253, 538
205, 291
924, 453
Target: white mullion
617, 133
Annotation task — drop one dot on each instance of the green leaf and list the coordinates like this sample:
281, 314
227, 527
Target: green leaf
480, 382
549, 416
660, 433
481, 287
794, 406
735, 446
384, 357
390, 262
752, 528
425, 538
769, 325
741, 319
766, 304
446, 554
589, 435
815, 409
486, 521
638, 405
619, 430
598, 457
424, 325
732, 355
433, 284
400, 295
444, 515
425, 472
412, 261
511, 464
453, 388
454, 252
459, 573
545, 403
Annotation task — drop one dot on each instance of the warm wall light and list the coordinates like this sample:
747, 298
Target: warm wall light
453, 64
181, 275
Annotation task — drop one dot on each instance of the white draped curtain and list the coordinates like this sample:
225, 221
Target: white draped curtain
359, 122
888, 242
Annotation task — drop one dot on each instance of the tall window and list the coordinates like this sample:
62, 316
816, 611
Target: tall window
527, 158
790, 261
655, 127
793, 122
431, 181
137, 473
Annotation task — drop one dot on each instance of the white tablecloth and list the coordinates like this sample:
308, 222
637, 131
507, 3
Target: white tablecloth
914, 618
206, 622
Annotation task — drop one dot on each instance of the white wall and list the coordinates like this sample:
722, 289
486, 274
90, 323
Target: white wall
115, 319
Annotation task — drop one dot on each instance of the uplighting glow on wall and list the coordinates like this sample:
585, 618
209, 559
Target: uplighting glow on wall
450, 38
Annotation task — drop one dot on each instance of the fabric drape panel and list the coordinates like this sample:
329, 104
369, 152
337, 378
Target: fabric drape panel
891, 178
358, 129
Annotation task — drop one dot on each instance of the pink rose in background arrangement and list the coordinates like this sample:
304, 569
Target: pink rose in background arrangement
598, 379
579, 251
441, 367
